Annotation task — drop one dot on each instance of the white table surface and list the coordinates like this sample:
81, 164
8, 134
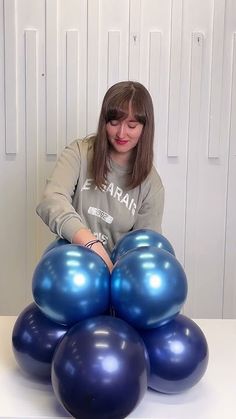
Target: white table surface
214, 397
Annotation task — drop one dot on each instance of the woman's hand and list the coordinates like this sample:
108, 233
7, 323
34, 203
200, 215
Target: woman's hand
84, 236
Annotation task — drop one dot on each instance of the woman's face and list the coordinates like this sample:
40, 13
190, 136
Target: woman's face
123, 135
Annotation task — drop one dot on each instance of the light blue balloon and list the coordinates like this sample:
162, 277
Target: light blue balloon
140, 238
148, 287
71, 283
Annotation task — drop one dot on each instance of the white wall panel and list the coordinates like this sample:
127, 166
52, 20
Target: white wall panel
51, 54
72, 61
113, 57
31, 147
206, 184
192, 173
66, 84
154, 47
233, 99
10, 76
12, 276
58, 59
229, 308
108, 26
218, 21
2, 85
72, 84
175, 78
18, 173
134, 39
93, 54
159, 16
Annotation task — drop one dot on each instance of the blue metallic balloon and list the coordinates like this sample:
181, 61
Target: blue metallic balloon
34, 340
148, 287
71, 283
57, 242
178, 354
100, 369
140, 238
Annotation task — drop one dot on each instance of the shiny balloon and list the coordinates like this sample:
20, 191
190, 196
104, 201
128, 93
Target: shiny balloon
34, 340
71, 283
148, 287
100, 369
140, 238
57, 242
178, 354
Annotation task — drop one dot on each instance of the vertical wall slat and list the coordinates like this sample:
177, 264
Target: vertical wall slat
154, 63
134, 40
113, 57
193, 169
51, 77
31, 134
92, 92
216, 79
233, 102
229, 295
11, 143
175, 74
72, 82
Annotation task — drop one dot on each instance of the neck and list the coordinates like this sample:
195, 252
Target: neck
122, 159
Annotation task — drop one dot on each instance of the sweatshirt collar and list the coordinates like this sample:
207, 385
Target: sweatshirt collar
122, 169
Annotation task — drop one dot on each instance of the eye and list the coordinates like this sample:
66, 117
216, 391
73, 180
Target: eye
114, 122
132, 125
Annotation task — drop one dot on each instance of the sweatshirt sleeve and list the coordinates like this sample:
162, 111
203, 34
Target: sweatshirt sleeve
55, 208
151, 211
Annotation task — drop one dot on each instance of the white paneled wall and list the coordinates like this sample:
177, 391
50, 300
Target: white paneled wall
57, 59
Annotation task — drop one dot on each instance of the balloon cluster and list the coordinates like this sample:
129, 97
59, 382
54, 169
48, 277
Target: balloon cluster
103, 338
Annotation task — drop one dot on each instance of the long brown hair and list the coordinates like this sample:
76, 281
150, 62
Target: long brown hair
116, 104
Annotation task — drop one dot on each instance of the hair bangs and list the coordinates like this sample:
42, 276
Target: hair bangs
138, 109
116, 114
123, 110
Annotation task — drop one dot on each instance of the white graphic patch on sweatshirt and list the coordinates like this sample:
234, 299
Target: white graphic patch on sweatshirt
101, 214
115, 191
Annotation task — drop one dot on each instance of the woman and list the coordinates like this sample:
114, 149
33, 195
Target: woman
106, 185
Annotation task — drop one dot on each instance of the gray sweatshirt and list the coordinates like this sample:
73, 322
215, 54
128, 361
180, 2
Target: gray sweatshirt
72, 201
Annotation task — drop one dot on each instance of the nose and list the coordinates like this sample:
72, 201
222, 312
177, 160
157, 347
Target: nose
121, 130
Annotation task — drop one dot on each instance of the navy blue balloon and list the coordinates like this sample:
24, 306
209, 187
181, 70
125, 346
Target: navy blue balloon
178, 354
71, 283
140, 238
34, 340
148, 287
57, 242
100, 369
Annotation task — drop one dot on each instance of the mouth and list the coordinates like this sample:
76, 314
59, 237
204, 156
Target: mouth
120, 142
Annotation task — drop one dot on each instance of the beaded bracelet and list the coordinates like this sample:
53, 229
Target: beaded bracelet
92, 242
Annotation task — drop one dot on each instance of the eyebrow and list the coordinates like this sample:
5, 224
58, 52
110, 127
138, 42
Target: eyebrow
133, 120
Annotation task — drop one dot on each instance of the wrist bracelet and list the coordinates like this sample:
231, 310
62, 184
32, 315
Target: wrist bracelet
92, 242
